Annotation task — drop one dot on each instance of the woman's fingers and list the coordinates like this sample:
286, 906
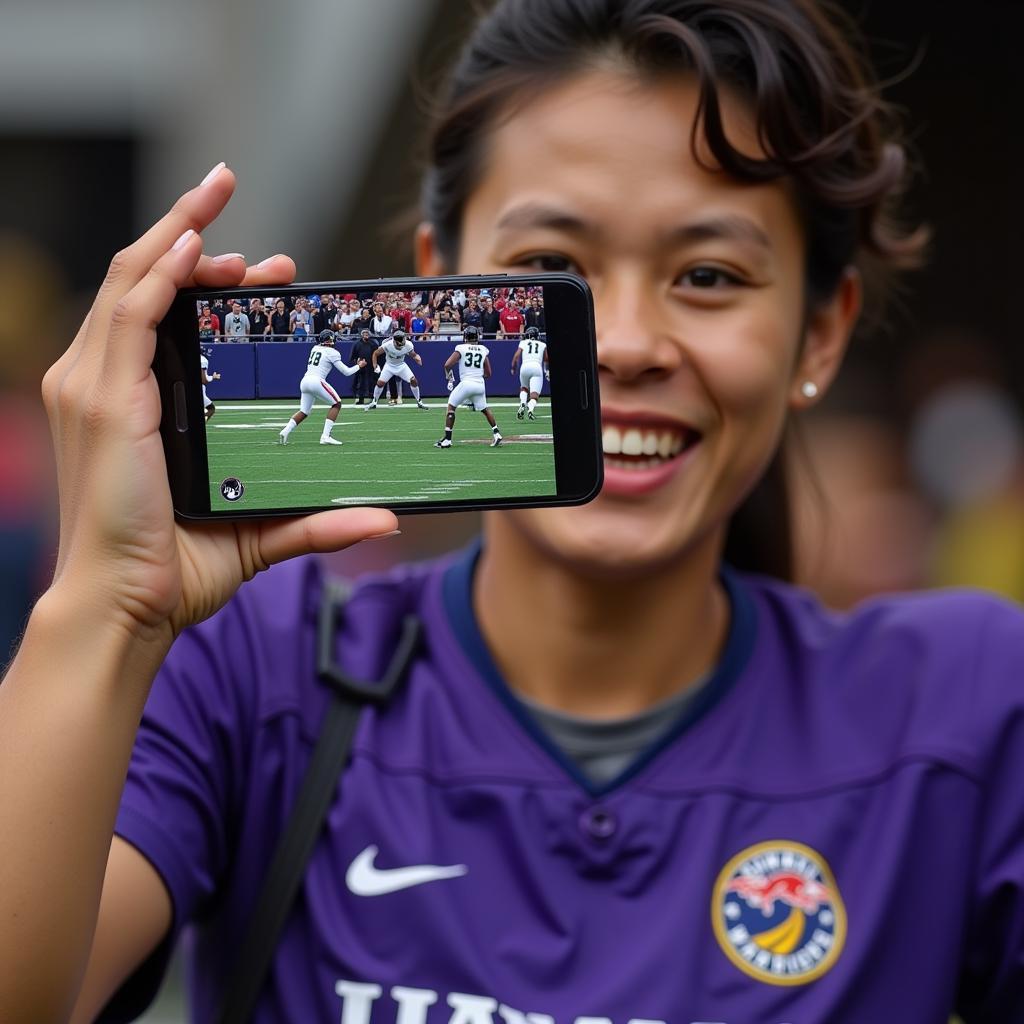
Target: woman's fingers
131, 335
275, 541
218, 272
279, 269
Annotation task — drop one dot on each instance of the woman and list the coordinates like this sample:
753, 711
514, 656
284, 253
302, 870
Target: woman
299, 320
699, 797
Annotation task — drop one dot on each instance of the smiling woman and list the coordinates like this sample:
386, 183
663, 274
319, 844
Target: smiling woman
623, 776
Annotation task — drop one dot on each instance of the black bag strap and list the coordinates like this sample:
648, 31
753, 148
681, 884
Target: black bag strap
283, 878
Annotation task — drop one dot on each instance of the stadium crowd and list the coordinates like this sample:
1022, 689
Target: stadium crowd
423, 315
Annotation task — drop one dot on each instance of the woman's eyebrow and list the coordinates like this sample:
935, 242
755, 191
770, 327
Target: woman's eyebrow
540, 215
730, 227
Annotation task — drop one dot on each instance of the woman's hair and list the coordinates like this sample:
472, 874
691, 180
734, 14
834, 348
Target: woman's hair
820, 121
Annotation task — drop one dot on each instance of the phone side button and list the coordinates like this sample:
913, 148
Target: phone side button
584, 391
180, 411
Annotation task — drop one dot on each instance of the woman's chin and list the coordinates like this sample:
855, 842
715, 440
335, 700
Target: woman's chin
602, 539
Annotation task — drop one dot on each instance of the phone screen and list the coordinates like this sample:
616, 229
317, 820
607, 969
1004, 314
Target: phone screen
362, 396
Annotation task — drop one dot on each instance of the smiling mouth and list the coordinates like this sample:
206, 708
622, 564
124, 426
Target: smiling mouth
638, 446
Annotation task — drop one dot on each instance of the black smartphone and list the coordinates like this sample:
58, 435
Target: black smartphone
417, 394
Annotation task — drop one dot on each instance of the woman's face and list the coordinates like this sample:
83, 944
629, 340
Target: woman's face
279, 305
699, 297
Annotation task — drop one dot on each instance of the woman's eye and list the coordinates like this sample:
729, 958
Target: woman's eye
708, 277
550, 263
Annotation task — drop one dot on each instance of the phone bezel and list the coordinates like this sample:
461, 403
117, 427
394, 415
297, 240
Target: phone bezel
575, 405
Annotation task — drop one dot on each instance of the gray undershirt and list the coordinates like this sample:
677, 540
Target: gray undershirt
604, 748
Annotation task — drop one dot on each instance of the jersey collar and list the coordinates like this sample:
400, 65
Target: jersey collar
457, 591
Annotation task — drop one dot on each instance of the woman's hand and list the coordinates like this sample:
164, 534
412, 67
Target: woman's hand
122, 557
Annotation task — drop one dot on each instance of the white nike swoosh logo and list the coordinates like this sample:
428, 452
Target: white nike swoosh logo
363, 879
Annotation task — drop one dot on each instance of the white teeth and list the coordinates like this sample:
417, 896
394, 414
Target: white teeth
633, 443
637, 442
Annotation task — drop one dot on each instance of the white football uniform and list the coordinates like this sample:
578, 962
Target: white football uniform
471, 377
394, 361
205, 364
531, 369
322, 359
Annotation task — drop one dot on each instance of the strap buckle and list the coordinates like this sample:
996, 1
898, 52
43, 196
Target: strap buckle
336, 594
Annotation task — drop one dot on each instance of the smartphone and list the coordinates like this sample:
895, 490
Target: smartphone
292, 399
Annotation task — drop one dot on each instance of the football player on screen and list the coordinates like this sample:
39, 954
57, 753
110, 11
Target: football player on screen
396, 350
534, 354
204, 365
323, 357
474, 368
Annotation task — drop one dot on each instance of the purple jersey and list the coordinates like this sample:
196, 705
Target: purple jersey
833, 832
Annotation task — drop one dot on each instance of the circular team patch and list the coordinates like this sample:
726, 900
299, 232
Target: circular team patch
777, 913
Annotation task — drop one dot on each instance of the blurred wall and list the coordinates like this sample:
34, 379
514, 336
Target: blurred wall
294, 95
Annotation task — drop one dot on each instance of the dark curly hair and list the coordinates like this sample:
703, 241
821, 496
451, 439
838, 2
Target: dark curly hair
820, 119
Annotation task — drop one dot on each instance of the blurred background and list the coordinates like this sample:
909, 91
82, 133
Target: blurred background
910, 474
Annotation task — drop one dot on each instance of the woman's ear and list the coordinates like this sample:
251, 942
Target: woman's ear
425, 255
826, 335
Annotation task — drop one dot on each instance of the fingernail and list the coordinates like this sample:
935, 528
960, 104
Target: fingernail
183, 240
214, 171
224, 257
269, 259
382, 536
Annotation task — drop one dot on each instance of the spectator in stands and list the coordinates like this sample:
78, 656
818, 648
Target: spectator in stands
512, 320
471, 314
420, 323
280, 325
299, 321
347, 312
259, 322
383, 325
403, 315
441, 299
206, 331
365, 319
214, 319
448, 321
323, 315
535, 314
236, 324
490, 321
219, 313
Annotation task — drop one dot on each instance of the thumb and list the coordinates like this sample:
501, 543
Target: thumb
278, 540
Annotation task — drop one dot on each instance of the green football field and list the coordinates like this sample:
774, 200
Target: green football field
387, 454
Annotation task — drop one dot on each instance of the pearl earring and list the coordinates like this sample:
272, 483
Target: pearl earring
809, 389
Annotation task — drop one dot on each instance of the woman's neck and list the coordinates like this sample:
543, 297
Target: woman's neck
598, 647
